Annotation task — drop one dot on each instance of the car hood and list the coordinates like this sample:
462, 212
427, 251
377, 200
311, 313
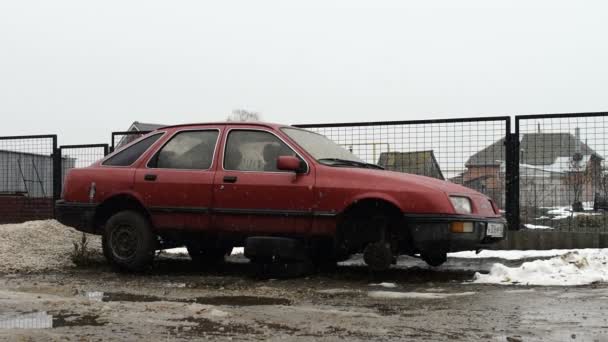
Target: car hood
408, 180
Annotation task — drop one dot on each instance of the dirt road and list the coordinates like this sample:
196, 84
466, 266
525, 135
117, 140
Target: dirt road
177, 301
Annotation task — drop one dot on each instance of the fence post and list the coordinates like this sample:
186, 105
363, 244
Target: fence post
57, 172
512, 178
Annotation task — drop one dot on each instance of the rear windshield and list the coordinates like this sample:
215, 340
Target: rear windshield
129, 155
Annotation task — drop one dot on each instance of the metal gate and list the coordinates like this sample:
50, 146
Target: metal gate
563, 179
77, 156
469, 151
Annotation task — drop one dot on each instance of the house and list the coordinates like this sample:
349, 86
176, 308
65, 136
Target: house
555, 170
136, 127
421, 163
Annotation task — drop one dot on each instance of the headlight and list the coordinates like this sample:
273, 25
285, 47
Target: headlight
462, 205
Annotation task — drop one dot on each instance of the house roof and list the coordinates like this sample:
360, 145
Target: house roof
142, 126
491, 155
416, 162
535, 149
545, 148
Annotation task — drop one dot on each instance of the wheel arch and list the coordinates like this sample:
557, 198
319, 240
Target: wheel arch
114, 204
352, 233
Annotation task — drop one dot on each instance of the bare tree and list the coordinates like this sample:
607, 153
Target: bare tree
243, 115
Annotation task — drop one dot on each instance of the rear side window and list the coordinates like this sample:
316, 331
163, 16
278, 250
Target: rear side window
190, 150
129, 155
254, 151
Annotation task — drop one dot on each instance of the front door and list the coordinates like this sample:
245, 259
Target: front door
176, 184
251, 195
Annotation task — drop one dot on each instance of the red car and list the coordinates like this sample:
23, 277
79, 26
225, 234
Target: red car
280, 191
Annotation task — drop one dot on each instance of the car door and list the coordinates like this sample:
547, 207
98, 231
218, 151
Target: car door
251, 195
176, 183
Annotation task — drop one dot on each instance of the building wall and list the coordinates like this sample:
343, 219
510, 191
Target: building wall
30, 175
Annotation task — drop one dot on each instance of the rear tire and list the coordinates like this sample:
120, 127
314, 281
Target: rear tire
128, 242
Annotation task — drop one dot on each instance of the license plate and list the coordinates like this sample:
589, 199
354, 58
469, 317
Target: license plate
495, 229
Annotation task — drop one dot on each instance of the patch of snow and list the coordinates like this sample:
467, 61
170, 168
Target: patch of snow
560, 213
534, 226
95, 296
580, 267
512, 254
414, 295
184, 250
388, 285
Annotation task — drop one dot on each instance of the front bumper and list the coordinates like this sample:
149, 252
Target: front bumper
431, 233
77, 215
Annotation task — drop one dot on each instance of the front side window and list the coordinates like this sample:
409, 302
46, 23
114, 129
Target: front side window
129, 155
319, 146
190, 150
254, 151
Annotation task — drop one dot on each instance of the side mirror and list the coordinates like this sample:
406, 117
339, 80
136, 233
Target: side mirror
290, 163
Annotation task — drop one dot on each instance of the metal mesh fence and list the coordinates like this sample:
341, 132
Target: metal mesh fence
77, 156
563, 179
470, 152
27, 183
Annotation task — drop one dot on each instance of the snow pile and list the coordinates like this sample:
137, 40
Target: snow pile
512, 254
580, 267
39, 245
535, 226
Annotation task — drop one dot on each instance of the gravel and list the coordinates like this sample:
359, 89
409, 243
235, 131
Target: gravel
39, 246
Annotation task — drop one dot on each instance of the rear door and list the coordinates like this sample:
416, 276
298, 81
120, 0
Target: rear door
176, 182
251, 195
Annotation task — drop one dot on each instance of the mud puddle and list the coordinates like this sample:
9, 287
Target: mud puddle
203, 326
211, 300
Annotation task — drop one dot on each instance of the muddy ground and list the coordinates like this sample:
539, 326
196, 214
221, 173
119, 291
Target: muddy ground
178, 301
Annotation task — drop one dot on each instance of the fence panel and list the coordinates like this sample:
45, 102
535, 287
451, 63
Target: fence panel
76, 156
120, 139
470, 152
563, 177
29, 182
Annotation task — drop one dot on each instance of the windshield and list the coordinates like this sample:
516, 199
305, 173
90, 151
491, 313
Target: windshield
319, 146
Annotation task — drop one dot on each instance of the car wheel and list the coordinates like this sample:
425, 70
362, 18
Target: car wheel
208, 255
128, 241
434, 259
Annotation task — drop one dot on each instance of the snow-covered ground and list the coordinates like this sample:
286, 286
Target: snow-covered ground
560, 213
46, 245
580, 267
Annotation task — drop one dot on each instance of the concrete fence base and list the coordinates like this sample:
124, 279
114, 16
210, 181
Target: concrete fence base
541, 240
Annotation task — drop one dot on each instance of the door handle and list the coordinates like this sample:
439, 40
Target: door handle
230, 179
150, 177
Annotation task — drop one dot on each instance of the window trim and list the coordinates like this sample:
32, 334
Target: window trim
116, 152
262, 171
217, 140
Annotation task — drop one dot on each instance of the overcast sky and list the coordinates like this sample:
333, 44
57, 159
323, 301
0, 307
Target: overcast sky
82, 69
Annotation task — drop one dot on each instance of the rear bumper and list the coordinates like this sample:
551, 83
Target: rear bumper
433, 234
77, 215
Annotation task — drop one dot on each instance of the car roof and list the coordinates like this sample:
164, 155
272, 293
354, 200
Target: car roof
232, 123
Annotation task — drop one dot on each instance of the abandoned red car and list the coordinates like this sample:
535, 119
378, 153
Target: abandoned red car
280, 191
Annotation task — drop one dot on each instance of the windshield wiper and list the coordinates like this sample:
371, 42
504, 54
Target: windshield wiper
346, 162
